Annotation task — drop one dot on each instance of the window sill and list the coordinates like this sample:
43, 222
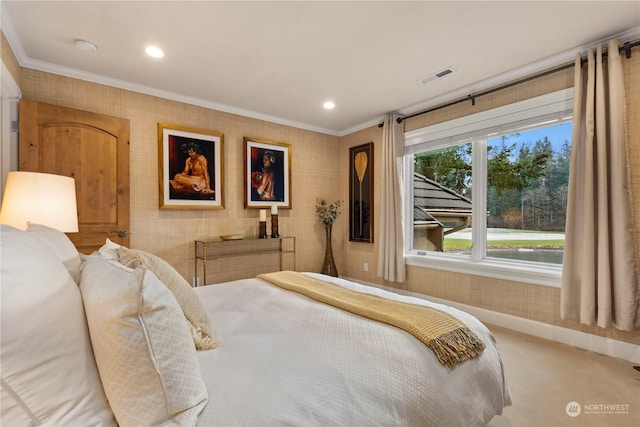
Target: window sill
517, 271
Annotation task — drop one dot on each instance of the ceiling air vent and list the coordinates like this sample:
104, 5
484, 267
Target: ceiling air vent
437, 75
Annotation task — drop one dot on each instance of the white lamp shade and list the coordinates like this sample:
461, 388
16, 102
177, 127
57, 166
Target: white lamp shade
40, 198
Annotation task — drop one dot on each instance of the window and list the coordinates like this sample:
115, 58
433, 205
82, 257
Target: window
487, 193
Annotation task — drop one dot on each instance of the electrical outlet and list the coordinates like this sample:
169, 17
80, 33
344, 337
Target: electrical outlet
366, 266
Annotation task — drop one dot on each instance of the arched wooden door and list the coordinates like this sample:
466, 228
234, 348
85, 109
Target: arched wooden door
93, 149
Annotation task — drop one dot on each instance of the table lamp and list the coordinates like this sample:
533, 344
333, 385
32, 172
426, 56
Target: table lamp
40, 198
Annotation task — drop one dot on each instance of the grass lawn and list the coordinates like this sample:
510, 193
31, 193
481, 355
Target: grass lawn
455, 244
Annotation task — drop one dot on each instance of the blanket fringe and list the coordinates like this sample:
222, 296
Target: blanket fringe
456, 346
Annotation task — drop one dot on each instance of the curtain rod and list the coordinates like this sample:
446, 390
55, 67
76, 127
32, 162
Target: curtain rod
627, 46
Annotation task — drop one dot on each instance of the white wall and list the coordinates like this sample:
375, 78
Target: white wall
10, 93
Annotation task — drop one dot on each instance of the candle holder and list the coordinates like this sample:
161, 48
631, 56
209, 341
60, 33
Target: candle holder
262, 233
274, 226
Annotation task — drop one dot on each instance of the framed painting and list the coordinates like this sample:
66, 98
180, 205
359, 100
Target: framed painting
191, 168
361, 193
267, 174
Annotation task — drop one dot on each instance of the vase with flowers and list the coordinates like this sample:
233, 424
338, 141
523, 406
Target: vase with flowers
328, 213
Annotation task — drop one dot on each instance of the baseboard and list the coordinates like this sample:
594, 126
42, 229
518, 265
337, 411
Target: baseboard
602, 345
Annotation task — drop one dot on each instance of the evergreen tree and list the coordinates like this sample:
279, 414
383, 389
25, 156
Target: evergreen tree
531, 179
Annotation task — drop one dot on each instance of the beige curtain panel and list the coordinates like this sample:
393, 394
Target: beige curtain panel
391, 264
600, 271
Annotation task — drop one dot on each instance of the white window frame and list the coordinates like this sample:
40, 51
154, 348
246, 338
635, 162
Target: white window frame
477, 128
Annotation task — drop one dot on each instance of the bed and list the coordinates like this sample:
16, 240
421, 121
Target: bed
119, 338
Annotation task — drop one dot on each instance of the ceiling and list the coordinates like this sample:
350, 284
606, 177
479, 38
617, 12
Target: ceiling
280, 61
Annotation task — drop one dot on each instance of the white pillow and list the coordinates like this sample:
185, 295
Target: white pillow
109, 250
60, 244
143, 348
191, 305
49, 374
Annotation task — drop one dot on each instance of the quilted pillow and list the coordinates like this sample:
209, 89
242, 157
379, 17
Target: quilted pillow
143, 348
192, 307
60, 244
49, 374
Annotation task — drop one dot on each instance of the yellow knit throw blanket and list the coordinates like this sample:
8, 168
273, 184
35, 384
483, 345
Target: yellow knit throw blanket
451, 341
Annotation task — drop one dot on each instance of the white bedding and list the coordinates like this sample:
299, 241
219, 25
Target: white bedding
288, 360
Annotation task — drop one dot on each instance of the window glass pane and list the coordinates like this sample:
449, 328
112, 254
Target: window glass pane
442, 199
528, 176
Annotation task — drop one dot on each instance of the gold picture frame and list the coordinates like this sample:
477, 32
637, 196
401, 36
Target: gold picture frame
191, 168
267, 174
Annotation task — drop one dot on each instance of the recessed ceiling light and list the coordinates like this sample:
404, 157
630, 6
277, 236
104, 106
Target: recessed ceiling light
329, 105
85, 46
154, 51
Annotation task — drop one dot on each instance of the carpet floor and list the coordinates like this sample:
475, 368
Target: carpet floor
556, 385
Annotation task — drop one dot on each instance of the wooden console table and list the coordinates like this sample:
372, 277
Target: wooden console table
217, 250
